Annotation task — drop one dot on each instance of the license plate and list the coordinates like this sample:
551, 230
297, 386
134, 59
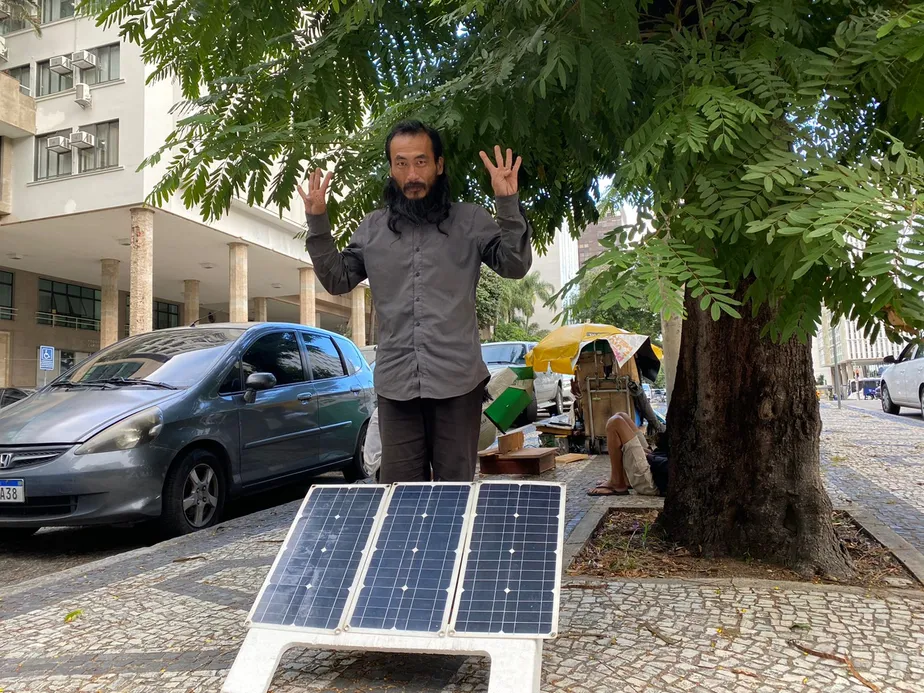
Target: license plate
12, 491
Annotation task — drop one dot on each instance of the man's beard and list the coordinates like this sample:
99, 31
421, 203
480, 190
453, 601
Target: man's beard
432, 208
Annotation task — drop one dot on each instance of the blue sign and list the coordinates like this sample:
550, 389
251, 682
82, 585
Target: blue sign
46, 358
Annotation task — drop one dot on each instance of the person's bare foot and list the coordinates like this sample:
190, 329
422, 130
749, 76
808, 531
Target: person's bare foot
604, 490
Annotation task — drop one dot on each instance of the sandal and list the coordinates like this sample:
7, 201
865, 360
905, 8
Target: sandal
603, 490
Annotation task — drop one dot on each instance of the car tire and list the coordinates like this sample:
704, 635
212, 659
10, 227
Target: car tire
888, 406
558, 408
357, 470
529, 415
921, 400
198, 476
18, 533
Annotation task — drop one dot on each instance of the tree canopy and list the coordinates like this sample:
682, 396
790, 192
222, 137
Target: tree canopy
589, 307
771, 145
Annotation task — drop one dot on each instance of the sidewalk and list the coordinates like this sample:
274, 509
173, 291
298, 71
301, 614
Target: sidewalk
150, 623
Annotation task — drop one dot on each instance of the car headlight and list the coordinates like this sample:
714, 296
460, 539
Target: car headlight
129, 433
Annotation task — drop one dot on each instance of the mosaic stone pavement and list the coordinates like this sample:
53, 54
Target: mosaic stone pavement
150, 622
876, 460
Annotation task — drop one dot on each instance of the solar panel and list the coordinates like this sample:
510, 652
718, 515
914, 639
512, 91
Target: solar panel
510, 574
413, 566
309, 583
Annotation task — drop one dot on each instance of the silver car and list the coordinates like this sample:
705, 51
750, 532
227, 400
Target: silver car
174, 423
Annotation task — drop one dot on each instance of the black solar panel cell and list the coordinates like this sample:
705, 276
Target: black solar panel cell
309, 585
416, 555
510, 576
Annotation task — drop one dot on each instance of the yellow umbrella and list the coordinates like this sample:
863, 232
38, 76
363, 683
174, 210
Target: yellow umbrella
560, 349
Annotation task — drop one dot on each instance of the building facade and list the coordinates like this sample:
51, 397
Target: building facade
842, 346
83, 260
557, 266
589, 244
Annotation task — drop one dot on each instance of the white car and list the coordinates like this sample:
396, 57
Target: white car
903, 383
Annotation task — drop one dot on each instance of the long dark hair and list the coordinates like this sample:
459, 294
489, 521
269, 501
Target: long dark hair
431, 209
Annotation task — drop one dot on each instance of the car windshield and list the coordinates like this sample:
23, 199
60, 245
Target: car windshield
176, 358
504, 353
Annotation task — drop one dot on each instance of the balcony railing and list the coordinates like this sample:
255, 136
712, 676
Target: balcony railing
69, 321
7, 313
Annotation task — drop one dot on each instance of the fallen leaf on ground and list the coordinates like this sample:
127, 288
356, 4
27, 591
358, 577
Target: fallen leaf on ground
73, 616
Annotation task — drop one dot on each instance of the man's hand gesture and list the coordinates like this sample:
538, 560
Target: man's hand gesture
316, 198
504, 174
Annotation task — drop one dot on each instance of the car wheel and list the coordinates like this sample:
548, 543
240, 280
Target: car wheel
18, 533
529, 415
357, 470
888, 406
559, 407
194, 493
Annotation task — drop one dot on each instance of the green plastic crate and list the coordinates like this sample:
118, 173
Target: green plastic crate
507, 406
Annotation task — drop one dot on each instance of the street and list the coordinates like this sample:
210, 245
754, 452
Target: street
55, 549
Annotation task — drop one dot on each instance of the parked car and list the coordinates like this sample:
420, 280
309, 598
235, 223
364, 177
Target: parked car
174, 423
10, 395
903, 382
552, 390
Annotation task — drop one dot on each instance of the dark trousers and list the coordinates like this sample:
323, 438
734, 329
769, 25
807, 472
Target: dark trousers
430, 439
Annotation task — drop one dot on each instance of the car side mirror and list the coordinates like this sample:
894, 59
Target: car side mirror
257, 382
889, 359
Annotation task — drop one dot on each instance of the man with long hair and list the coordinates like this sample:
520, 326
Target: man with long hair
422, 254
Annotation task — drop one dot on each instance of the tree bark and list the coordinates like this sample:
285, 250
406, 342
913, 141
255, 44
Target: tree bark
670, 343
743, 426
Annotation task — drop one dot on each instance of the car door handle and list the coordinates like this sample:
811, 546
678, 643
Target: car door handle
305, 397
356, 390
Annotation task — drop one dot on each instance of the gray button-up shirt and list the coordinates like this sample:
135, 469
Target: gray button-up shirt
423, 285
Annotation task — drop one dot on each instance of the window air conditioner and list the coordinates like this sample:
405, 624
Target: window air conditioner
3, 51
60, 65
82, 140
59, 144
85, 60
82, 95
5, 10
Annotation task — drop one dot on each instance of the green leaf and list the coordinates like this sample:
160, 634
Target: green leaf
73, 615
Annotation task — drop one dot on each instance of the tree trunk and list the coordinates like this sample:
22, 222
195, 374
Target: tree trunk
743, 424
670, 342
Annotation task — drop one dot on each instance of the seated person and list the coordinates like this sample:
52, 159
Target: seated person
632, 463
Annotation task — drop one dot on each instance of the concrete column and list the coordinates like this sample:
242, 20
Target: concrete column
190, 301
142, 271
358, 316
307, 310
109, 304
259, 309
237, 297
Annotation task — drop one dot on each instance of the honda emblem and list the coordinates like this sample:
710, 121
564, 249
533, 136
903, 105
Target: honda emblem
6, 460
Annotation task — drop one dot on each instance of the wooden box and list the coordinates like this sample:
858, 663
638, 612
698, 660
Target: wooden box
533, 461
510, 442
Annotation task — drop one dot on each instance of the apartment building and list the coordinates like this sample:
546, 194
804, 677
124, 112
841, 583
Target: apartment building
843, 346
83, 261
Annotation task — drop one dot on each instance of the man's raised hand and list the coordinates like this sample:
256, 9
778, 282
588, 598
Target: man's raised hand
504, 172
316, 198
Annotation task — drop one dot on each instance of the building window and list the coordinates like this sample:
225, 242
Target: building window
106, 152
53, 10
8, 26
23, 75
51, 164
68, 305
49, 82
107, 65
6, 295
166, 315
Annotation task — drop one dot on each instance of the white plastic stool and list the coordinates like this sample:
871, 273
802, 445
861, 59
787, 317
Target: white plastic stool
512, 659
